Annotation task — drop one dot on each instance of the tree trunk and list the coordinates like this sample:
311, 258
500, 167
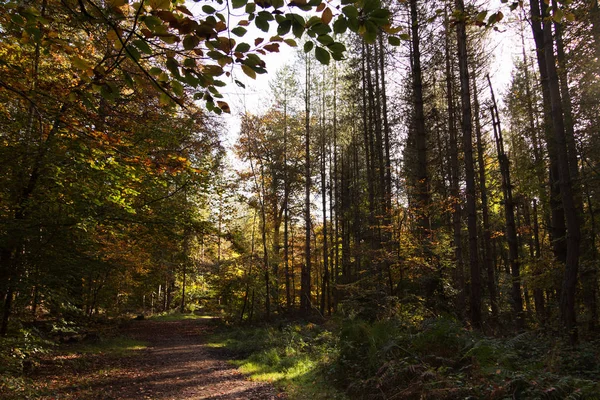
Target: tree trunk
422, 178
454, 176
487, 237
509, 213
305, 274
569, 286
467, 131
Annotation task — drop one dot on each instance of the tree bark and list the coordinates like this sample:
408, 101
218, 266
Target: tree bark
467, 131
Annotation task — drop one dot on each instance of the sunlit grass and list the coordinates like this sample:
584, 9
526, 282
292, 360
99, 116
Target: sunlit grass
117, 346
291, 358
169, 317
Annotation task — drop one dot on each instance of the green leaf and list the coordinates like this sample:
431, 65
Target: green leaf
297, 29
155, 71
173, 66
133, 53
250, 8
238, 3
165, 100
337, 56
370, 35
128, 80
325, 39
108, 92
239, 31
558, 15
266, 15
381, 13
380, 18
262, 23
308, 46
215, 55
350, 11
340, 25
336, 47
394, 41
177, 88
208, 9
189, 63
371, 5
290, 42
243, 47
143, 46
313, 21
17, 19
284, 27
320, 29
322, 55
190, 42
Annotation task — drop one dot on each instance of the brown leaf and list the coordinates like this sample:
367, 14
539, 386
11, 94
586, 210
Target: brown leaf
327, 16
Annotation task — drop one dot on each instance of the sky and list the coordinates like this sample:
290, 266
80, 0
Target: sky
255, 97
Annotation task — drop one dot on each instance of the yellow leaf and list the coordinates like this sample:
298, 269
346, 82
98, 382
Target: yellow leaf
80, 63
160, 4
249, 71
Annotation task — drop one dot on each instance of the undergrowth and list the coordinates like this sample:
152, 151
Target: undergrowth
296, 357
176, 316
436, 358
27, 351
439, 359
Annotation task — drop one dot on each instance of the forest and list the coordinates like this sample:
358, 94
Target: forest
390, 214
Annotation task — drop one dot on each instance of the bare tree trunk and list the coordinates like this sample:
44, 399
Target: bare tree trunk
325, 299
305, 290
569, 286
422, 178
509, 212
454, 176
487, 237
467, 131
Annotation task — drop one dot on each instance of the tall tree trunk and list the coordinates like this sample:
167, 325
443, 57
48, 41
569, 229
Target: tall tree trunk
325, 299
422, 178
538, 293
454, 174
305, 290
487, 236
509, 213
286, 194
588, 274
558, 231
569, 286
467, 131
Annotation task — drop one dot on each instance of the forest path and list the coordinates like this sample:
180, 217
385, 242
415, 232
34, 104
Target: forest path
177, 364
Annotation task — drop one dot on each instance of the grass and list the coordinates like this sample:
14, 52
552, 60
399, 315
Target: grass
293, 357
176, 316
119, 346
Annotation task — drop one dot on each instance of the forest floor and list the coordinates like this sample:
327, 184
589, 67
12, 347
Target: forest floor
159, 360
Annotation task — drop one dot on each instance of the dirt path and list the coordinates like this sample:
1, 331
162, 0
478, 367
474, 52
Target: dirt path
176, 365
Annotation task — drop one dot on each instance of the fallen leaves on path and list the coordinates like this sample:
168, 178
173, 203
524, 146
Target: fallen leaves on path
176, 365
